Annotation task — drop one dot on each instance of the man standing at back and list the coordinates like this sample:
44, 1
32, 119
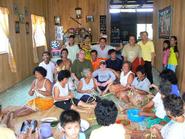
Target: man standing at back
102, 48
148, 54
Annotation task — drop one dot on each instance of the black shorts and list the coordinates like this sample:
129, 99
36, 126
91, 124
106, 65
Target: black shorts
102, 88
89, 99
66, 104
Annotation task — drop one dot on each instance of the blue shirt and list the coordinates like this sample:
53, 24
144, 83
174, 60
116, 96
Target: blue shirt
175, 90
114, 64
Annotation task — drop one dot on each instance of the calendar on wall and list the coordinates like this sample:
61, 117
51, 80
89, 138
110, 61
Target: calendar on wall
103, 24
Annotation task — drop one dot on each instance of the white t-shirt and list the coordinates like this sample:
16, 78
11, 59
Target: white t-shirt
72, 52
113, 131
159, 107
102, 53
50, 68
124, 78
63, 91
173, 130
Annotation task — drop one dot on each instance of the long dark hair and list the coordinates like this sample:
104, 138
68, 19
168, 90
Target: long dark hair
175, 47
168, 43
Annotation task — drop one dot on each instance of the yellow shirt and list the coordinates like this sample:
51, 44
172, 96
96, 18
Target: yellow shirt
172, 57
147, 49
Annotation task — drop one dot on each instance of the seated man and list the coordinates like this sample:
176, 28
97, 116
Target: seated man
104, 78
78, 66
139, 88
176, 127
106, 114
114, 63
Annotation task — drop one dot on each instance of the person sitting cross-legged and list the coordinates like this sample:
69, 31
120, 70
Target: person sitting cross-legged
139, 89
104, 78
87, 87
126, 78
64, 98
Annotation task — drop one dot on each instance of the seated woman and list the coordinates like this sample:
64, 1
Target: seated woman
176, 127
169, 75
126, 79
155, 108
106, 113
41, 89
104, 78
64, 98
139, 90
86, 87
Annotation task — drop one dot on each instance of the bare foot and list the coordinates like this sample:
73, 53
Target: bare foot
5, 119
10, 122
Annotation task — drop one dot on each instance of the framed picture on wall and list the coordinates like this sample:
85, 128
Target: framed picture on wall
57, 20
17, 27
89, 18
165, 20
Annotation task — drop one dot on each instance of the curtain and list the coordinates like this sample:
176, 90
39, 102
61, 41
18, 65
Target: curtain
4, 25
38, 34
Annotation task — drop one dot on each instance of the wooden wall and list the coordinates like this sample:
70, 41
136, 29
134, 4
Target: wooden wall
178, 29
66, 9
21, 43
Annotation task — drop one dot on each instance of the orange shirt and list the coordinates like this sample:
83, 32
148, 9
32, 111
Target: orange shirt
96, 63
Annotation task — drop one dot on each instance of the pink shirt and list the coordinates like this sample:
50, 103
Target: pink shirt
165, 56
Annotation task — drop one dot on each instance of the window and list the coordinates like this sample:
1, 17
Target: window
38, 30
3, 28
145, 27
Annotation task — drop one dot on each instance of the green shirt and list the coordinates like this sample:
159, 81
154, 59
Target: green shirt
77, 67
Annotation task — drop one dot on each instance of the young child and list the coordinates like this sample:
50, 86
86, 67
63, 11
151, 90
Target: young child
70, 123
176, 127
48, 65
166, 52
59, 65
174, 53
158, 114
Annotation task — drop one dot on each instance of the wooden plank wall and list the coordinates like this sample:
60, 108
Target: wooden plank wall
21, 43
178, 29
66, 9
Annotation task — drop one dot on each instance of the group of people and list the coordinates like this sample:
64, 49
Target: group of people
77, 81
